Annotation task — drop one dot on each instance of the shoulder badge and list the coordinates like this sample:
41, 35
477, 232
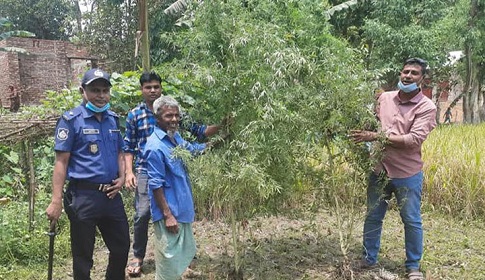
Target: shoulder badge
62, 134
71, 114
111, 113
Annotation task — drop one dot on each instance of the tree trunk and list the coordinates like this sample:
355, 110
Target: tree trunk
435, 95
78, 15
472, 99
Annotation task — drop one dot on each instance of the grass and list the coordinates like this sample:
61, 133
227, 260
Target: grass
455, 170
292, 246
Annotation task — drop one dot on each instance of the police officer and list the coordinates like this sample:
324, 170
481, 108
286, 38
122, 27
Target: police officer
88, 153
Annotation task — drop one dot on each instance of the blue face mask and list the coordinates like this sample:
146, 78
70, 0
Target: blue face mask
97, 109
407, 88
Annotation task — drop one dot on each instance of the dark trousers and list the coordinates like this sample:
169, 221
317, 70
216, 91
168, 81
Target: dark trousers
88, 209
142, 216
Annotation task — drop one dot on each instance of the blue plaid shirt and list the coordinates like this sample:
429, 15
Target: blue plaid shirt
140, 124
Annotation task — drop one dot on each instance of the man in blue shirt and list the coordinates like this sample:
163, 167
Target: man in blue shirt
88, 153
140, 124
170, 192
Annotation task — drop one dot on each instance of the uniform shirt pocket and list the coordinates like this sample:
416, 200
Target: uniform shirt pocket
93, 143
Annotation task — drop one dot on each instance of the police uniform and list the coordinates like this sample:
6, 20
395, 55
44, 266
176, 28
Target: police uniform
93, 164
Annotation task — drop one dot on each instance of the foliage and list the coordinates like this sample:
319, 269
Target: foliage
6, 32
276, 69
11, 181
20, 246
110, 33
161, 25
14, 181
343, 6
176, 7
391, 31
47, 19
405, 29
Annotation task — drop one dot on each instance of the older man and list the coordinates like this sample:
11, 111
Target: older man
406, 117
170, 192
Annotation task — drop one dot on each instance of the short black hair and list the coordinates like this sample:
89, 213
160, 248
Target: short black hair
149, 76
421, 62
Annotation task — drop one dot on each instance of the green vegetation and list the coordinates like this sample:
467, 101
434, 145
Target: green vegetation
46, 19
452, 206
6, 31
294, 82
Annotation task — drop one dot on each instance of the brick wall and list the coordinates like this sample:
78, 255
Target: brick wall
48, 65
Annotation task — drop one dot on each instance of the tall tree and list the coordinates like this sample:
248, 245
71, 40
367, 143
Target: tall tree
47, 19
110, 32
464, 29
77, 14
388, 32
474, 46
401, 29
293, 89
289, 83
162, 25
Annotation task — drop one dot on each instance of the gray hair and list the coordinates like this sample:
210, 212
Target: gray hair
163, 101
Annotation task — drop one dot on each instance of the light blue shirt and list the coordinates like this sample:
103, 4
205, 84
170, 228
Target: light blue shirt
170, 173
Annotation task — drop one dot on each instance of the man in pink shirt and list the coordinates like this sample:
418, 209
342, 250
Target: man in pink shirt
406, 117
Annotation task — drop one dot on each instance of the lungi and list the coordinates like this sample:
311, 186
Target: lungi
173, 252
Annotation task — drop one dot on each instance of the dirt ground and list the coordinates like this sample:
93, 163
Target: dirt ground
304, 246
275, 247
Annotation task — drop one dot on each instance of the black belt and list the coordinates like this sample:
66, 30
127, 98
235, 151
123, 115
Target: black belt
86, 185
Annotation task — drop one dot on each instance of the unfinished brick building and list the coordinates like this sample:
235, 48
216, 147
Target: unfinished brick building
47, 65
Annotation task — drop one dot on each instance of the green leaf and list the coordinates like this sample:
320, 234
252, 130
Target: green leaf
340, 7
7, 179
13, 157
17, 170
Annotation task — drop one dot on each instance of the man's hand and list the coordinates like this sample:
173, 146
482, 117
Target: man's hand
130, 181
171, 224
115, 187
54, 210
363, 136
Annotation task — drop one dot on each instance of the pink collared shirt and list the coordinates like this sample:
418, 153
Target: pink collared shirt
413, 119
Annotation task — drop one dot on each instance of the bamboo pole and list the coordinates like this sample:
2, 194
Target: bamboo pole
32, 182
145, 44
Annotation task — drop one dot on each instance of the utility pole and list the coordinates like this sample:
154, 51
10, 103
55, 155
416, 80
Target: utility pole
143, 28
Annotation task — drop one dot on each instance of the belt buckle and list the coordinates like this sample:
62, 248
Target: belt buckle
103, 187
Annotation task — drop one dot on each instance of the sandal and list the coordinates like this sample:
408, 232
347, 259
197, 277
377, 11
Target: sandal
134, 268
415, 275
